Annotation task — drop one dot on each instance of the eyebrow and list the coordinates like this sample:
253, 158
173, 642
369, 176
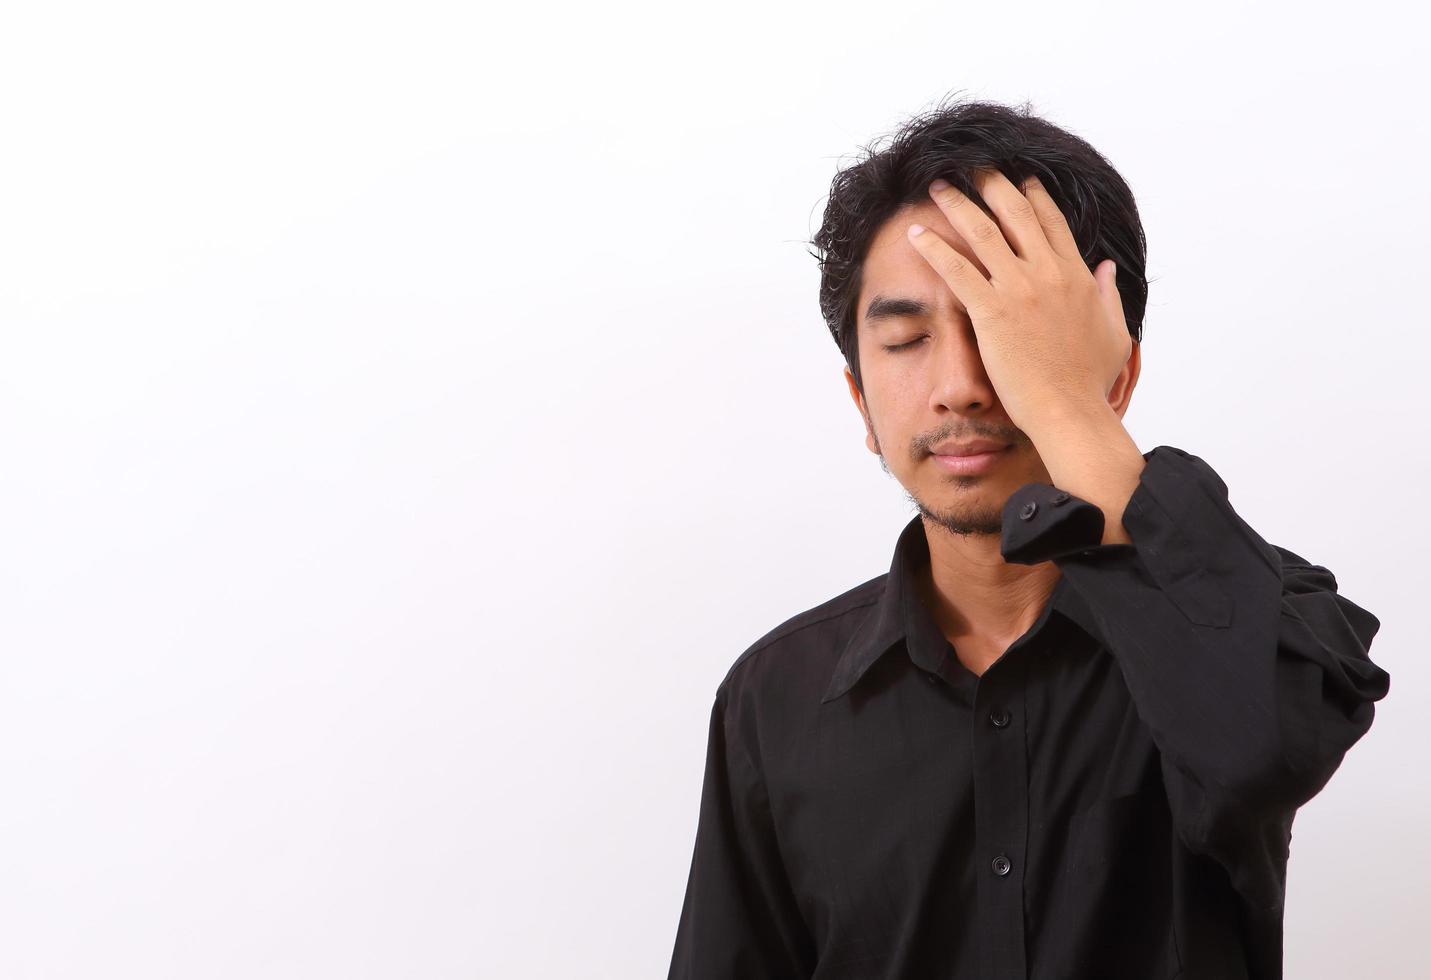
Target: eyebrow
890, 307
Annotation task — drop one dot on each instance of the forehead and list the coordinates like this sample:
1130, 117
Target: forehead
893, 267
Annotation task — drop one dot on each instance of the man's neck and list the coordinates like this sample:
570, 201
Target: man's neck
981, 603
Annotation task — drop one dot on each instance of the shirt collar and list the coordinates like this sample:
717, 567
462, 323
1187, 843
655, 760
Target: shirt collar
901, 614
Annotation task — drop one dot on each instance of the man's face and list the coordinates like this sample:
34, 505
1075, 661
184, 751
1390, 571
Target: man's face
934, 390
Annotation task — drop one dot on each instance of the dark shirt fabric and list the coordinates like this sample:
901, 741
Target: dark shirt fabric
1112, 798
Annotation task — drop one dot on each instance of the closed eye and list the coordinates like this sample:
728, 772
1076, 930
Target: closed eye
898, 347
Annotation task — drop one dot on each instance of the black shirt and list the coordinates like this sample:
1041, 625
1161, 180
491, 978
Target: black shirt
1112, 798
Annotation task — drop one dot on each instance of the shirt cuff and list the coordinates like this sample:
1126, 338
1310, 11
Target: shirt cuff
1042, 522
1176, 518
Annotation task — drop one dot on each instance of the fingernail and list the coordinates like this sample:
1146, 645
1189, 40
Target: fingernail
939, 184
916, 230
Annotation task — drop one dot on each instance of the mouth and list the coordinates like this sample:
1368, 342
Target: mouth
973, 463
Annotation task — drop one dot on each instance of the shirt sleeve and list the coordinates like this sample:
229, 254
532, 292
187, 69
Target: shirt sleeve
739, 920
1248, 667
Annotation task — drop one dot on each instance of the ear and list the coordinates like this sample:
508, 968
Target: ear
1122, 391
864, 414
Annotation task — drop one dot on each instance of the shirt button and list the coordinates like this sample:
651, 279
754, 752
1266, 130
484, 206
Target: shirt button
1028, 510
1060, 498
1001, 865
931, 678
999, 717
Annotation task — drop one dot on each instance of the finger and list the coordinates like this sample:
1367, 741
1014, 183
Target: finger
979, 230
1054, 222
960, 274
1020, 222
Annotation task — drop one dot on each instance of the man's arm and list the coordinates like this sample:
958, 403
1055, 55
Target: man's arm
1249, 669
739, 920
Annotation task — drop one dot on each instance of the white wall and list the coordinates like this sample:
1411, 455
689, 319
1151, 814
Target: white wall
408, 414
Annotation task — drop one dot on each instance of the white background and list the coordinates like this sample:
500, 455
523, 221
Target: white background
410, 412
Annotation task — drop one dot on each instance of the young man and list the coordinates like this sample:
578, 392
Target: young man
1066, 734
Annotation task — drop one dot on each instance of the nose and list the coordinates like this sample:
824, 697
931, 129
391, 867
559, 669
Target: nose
958, 382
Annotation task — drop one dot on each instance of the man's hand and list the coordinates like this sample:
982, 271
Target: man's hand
1051, 334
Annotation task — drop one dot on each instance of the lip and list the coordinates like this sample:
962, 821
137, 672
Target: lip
968, 447
972, 464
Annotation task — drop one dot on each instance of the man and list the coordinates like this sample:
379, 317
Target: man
1066, 734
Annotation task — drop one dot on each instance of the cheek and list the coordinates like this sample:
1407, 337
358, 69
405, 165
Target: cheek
900, 392
890, 411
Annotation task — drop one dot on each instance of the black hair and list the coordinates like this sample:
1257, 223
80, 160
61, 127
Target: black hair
954, 140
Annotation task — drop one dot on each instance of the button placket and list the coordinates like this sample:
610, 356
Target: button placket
1001, 813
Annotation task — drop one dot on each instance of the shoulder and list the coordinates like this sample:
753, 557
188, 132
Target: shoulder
772, 691
813, 637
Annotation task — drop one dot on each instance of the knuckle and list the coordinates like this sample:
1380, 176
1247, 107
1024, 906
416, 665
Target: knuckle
1022, 211
1050, 214
985, 231
952, 262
